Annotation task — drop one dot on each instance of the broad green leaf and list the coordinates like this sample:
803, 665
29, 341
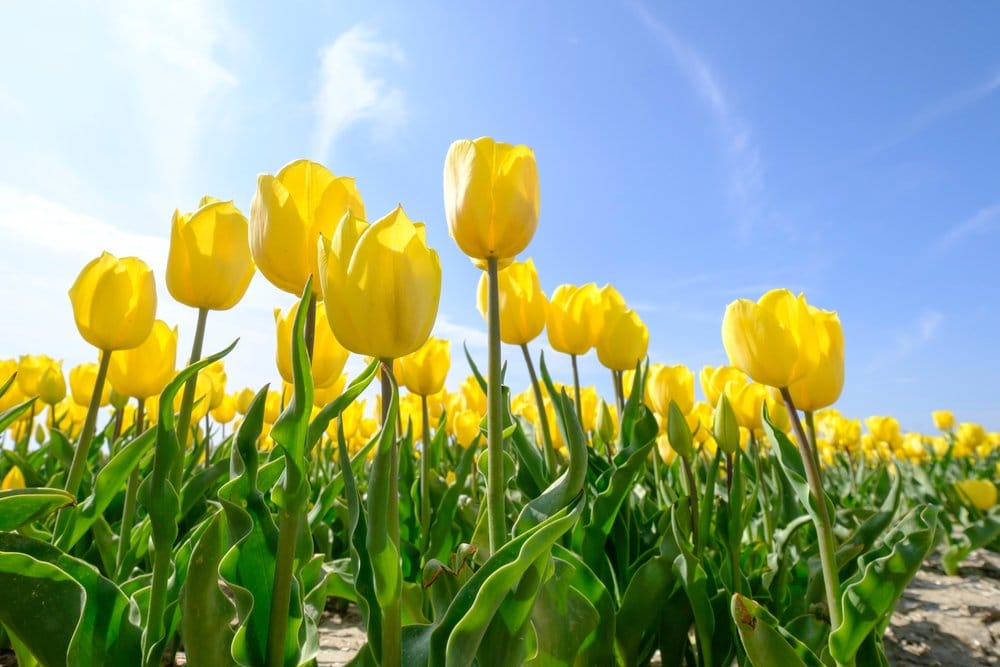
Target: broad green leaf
19, 507
206, 612
768, 644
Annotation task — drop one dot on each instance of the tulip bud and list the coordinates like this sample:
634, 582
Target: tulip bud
381, 284
678, 431
490, 197
289, 212
14, 479
209, 263
52, 384
114, 302
725, 429
606, 423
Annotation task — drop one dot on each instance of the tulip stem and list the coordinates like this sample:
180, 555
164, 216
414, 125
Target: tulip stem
543, 417
693, 500
131, 494
821, 519
765, 496
392, 614
576, 389
187, 400
811, 434
496, 512
425, 477
87, 434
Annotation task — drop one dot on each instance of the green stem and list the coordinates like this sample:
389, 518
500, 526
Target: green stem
576, 390
543, 417
821, 519
425, 477
616, 381
765, 497
87, 434
495, 510
162, 566
392, 613
281, 591
131, 496
22, 444
187, 400
693, 500
811, 434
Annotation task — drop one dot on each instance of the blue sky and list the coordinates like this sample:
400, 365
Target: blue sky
688, 154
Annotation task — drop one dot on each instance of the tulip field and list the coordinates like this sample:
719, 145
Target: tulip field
150, 513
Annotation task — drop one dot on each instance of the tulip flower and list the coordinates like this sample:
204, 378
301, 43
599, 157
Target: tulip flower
114, 302
569, 322
424, 371
81, 384
465, 425
52, 384
821, 387
523, 304
209, 263
225, 411
13, 396
216, 373
328, 356
669, 383
944, 420
114, 305
491, 198
145, 370
381, 284
623, 342
714, 381
14, 479
289, 212
774, 340
30, 368
982, 493
243, 399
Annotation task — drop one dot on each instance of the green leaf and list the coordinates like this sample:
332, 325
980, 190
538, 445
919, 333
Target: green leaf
22, 506
641, 608
62, 608
868, 599
768, 644
206, 612
444, 516
331, 411
976, 535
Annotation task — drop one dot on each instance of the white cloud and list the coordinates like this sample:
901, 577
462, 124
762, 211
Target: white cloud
474, 337
351, 93
981, 222
746, 173
172, 49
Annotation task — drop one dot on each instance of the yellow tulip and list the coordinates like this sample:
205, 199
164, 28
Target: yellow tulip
381, 284
982, 493
14, 479
623, 342
328, 357
944, 420
82, 379
968, 437
114, 302
243, 399
774, 340
209, 263
491, 197
225, 411
884, 429
289, 212
714, 381
465, 425
669, 383
610, 306
145, 370
216, 372
52, 384
667, 453
473, 396
523, 304
821, 387
272, 406
322, 396
571, 321
424, 371
30, 368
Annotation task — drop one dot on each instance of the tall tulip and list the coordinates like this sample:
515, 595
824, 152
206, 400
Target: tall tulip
821, 387
114, 305
491, 197
289, 212
381, 284
491, 201
209, 263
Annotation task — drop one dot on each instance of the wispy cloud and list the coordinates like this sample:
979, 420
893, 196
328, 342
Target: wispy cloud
173, 50
460, 333
350, 90
906, 342
937, 111
746, 182
984, 220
